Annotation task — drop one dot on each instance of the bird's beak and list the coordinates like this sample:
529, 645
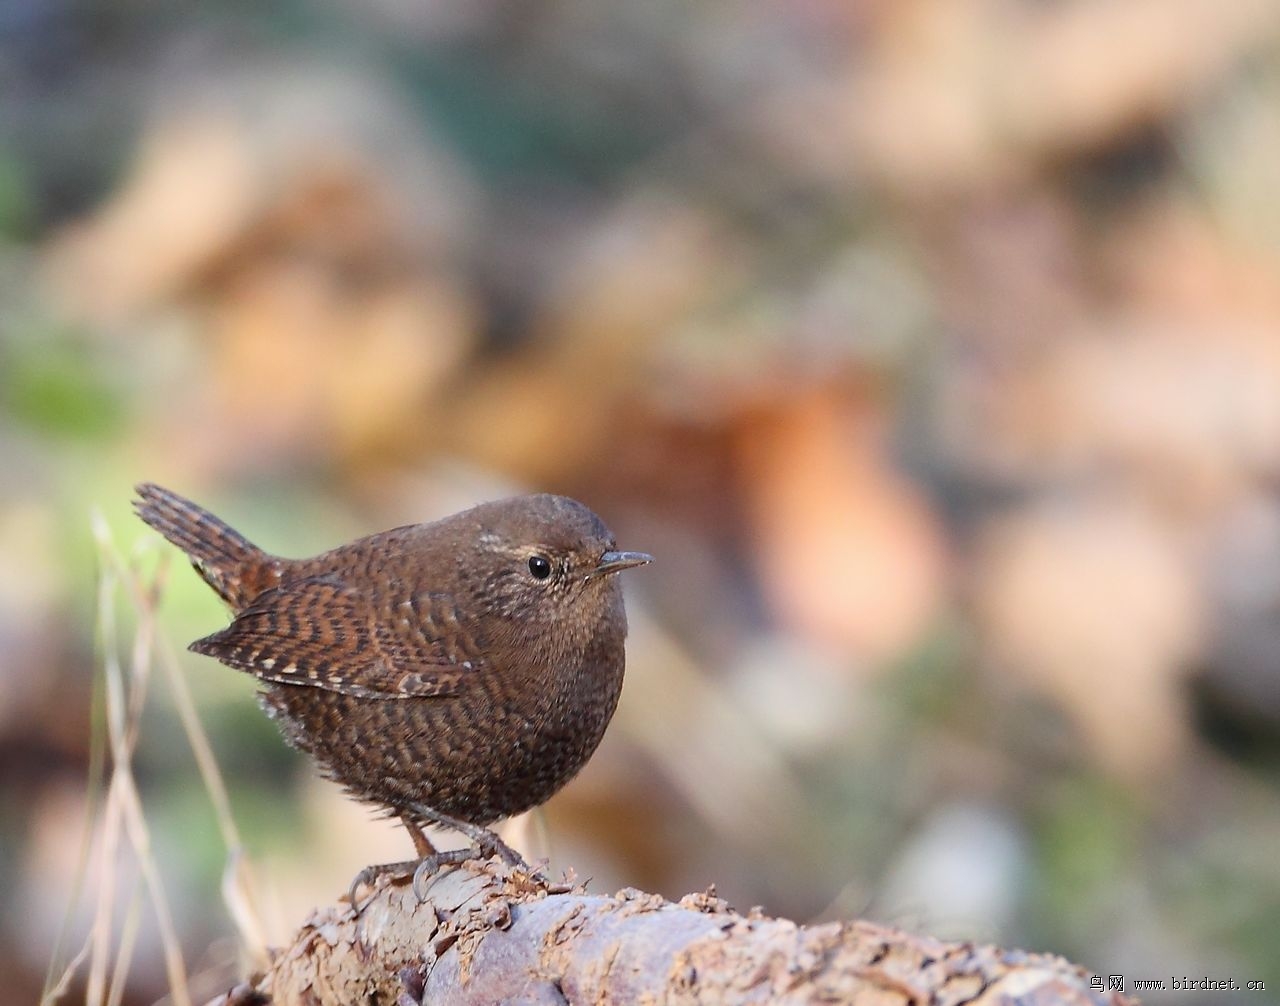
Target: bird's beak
612, 562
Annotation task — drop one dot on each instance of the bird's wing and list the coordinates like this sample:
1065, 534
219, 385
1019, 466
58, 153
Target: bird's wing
321, 633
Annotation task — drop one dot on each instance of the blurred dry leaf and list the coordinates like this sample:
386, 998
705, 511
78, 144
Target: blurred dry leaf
304, 366
850, 553
548, 408
1196, 409
946, 94
1011, 269
313, 247
320, 160
190, 194
1170, 255
1191, 409
1097, 607
1092, 69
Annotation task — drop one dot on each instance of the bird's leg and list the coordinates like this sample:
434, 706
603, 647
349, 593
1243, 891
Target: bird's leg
421, 845
486, 841
486, 844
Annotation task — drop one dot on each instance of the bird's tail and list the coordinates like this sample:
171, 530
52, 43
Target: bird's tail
229, 563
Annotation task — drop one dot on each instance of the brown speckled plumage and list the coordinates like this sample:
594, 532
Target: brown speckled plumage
428, 667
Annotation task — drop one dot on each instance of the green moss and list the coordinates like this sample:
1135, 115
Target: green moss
54, 383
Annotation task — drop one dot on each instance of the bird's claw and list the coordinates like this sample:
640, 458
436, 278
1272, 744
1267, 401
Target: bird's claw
432, 863
371, 873
485, 847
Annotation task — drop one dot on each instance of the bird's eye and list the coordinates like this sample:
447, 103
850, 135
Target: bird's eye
540, 567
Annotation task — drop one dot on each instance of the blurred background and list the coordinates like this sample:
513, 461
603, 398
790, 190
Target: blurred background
932, 347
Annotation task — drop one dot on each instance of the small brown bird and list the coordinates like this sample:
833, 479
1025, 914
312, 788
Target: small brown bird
454, 673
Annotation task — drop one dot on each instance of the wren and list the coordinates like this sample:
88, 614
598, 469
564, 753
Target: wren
453, 673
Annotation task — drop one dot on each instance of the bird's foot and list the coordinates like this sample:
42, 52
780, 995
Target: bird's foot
369, 874
429, 865
487, 846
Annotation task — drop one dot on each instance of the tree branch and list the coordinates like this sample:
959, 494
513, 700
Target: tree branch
488, 933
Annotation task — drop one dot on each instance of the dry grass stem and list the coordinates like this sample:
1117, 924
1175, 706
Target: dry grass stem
119, 823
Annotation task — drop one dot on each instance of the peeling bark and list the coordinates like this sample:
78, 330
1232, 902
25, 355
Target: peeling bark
488, 933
